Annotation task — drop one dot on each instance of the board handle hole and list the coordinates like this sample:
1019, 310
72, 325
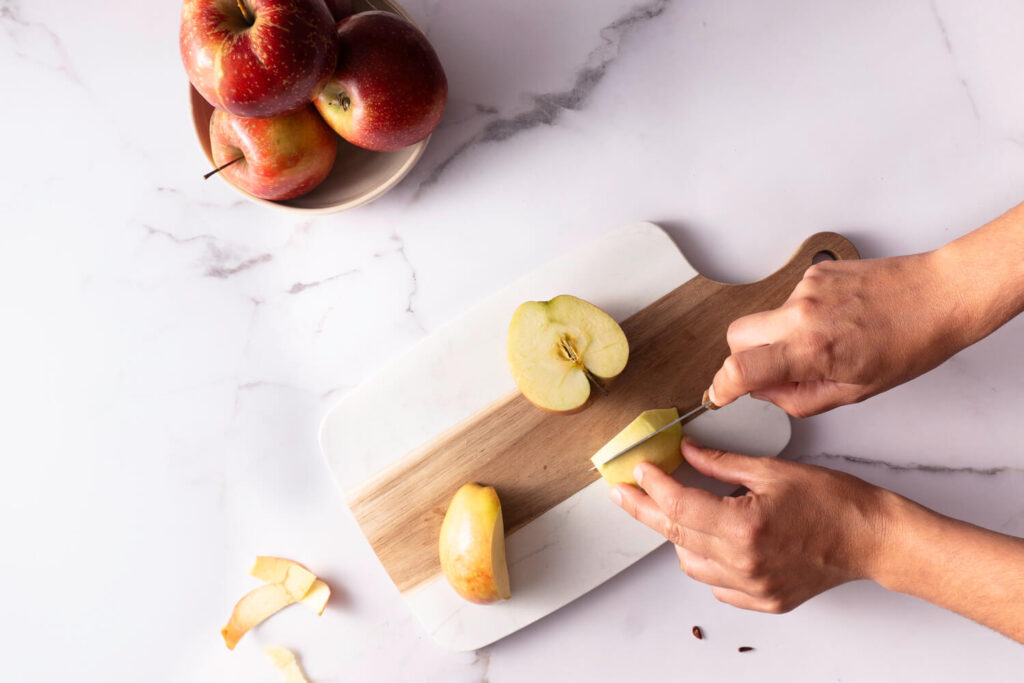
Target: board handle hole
824, 255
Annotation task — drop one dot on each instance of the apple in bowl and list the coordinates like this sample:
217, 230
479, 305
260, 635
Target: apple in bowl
388, 90
258, 58
273, 158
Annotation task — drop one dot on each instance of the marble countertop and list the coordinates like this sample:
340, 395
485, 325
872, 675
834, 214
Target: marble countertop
169, 348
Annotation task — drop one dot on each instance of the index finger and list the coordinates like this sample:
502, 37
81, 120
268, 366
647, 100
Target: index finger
693, 508
759, 368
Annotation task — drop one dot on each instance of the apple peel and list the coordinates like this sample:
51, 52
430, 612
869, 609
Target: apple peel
287, 582
286, 664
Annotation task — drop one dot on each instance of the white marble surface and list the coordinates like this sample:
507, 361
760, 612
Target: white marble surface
170, 348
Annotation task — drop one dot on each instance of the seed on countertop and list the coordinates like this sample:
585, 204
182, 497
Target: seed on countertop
697, 633
746, 648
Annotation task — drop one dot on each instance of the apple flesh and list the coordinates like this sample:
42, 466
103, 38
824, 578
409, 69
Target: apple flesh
472, 545
293, 576
287, 666
281, 157
258, 58
556, 349
389, 89
663, 450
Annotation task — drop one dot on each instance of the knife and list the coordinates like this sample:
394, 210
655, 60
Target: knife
706, 404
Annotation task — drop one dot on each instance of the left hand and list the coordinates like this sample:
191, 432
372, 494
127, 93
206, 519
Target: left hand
798, 531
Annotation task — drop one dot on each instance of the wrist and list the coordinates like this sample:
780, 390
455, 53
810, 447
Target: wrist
904, 543
981, 277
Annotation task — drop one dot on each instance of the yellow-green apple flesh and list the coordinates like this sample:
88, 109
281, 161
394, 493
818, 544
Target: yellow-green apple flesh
281, 157
472, 545
556, 349
258, 58
388, 90
664, 450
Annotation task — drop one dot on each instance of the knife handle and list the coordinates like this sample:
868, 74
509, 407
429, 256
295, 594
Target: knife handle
706, 400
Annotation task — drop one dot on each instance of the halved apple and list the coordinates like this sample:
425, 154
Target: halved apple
663, 450
472, 545
286, 664
254, 607
557, 349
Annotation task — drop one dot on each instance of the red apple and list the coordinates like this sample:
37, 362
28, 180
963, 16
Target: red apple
277, 158
388, 90
340, 8
258, 58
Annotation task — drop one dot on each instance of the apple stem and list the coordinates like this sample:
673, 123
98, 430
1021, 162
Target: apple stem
245, 13
222, 167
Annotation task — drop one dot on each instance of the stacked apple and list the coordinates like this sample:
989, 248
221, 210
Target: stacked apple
282, 75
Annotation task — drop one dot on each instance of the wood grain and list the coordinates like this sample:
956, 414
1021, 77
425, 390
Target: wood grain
535, 459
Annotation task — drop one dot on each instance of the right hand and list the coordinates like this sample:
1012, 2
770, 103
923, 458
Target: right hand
849, 330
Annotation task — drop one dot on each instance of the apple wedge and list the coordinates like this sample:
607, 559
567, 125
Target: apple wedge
287, 666
472, 545
663, 450
556, 349
281, 570
254, 607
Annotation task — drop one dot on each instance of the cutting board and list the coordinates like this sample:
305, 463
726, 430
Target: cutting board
447, 412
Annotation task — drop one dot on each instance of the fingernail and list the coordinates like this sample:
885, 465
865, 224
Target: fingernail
616, 495
711, 394
638, 474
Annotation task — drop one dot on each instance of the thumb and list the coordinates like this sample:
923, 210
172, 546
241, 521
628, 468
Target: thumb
732, 468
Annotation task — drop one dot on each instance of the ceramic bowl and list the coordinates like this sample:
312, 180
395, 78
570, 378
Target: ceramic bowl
359, 175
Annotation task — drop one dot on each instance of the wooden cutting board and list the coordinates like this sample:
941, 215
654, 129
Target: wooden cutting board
537, 461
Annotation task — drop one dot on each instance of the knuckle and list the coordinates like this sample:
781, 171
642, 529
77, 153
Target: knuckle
749, 567
805, 310
775, 605
733, 370
671, 531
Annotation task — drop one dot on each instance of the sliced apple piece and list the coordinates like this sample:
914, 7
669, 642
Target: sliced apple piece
253, 608
296, 579
556, 349
317, 596
286, 664
472, 545
663, 450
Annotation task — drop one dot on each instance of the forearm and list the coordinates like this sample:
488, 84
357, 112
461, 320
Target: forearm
972, 571
985, 273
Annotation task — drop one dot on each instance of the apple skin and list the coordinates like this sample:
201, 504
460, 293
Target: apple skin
273, 66
388, 90
472, 545
283, 157
340, 9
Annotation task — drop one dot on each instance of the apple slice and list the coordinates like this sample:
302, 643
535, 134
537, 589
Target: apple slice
254, 607
286, 664
557, 349
317, 596
663, 450
472, 545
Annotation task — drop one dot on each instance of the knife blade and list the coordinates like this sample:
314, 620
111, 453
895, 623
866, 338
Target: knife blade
706, 404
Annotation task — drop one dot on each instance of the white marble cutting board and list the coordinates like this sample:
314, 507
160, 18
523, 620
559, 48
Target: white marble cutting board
583, 541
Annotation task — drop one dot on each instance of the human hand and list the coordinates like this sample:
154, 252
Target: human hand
849, 330
799, 530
